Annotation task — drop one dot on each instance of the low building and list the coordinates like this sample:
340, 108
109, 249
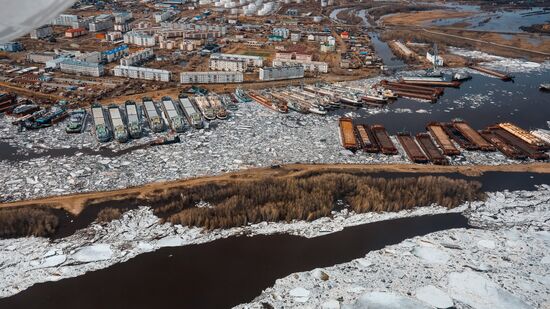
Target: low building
309, 66
11, 47
72, 66
233, 65
295, 36
142, 73
137, 57
41, 57
42, 32
65, 20
327, 48
281, 73
251, 61
73, 33
139, 39
211, 77
115, 53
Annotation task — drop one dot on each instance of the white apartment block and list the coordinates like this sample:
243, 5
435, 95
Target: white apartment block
142, 73
137, 57
122, 17
101, 22
42, 32
251, 61
122, 27
211, 77
280, 73
164, 15
139, 39
81, 67
309, 66
41, 57
228, 65
65, 20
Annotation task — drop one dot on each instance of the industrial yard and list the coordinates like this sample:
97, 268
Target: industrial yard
135, 133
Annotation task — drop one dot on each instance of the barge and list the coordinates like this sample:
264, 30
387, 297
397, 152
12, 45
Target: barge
508, 150
518, 143
118, 125
502, 76
535, 142
102, 132
216, 103
155, 120
175, 120
366, 139
454, 134
347, 137
412, 88
430, 149
414, 152
277, 106
7, 102
383, 140
205, 107
77, 121
430, 81
134, 119
191, 112
472, 135
442, 139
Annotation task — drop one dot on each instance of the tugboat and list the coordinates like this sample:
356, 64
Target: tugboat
461, 76
242, 96
77, 121
544, 87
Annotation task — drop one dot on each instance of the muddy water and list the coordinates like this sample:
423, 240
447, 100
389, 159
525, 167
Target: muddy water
222, 273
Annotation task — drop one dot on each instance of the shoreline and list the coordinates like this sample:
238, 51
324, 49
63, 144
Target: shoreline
76, 203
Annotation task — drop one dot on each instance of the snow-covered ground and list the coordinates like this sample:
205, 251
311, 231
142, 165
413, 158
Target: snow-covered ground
25, 261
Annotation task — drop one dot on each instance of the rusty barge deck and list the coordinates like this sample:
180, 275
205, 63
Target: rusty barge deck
430, 149
411, 148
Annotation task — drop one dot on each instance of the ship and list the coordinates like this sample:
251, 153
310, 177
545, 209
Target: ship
101, 130
204, 106
191, 113
242, 96
77, 121
229, 102
269, 103
376, 99
462, 76
175, 120
292, 103
25, 109
155, 121
134, 121
219, 108
118, 125
54, 115
544, 87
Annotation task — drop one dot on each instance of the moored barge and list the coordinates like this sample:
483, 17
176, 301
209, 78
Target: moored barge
347, 136
442, 139
411, 148
430, 149
367, 141
383, 140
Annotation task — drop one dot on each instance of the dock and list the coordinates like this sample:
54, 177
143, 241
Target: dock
118, 125
191, 112
383, 140
412, 149
347, 136
502, 76
430, 149
442, 139
507, 149
472, 135
366, 139
175, 120
155, 121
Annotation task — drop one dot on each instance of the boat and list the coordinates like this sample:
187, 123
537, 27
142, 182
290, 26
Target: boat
229, 102
155, 121
134, 121
191, 113
268, 102
205, 107
462, 76
175, 120
545, 87
374, 99
173, 139
101, 130
25, 109
219, 108
54, 115
118, 125
292, 102
242, 96
77, 121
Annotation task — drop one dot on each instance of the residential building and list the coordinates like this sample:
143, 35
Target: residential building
122, 27
41, 57
309, 66
137, 57
295, 36
139, 39
251, 61
42, 32
282, 32
115, 53
282, 72
234, 65
73, 33
91, 57
65, 20
72, 66
164, 15
142, 73
211, 77
11, 47
122, 17
101, 23
113, 36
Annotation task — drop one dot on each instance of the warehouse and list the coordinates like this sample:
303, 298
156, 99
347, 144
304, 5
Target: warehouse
211, 77
280, 73
142, 73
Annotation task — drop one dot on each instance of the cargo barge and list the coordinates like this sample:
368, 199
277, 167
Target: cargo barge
53, 116
205, 107
502, 76
366, 138
347, 136
430, 149
413, 95
155, 121
134, 119
191, 112
118, 125
383, 140
473, 136
507, 149
175, 120
453, 133
430, 81
518, 143
442, 139
100, 124
414, 152
277, 106
535, 142
412, 88
7, 102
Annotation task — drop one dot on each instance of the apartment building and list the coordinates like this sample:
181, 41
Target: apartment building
72, 66
282, 72
142, 73
234, 65
211, 77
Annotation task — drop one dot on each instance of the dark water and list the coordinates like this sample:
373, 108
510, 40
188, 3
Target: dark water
520, 102
222, 273
384, 51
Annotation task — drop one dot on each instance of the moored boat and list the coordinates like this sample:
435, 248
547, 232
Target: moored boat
77, 121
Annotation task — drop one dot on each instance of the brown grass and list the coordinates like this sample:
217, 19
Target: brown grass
18, 222
109, 214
